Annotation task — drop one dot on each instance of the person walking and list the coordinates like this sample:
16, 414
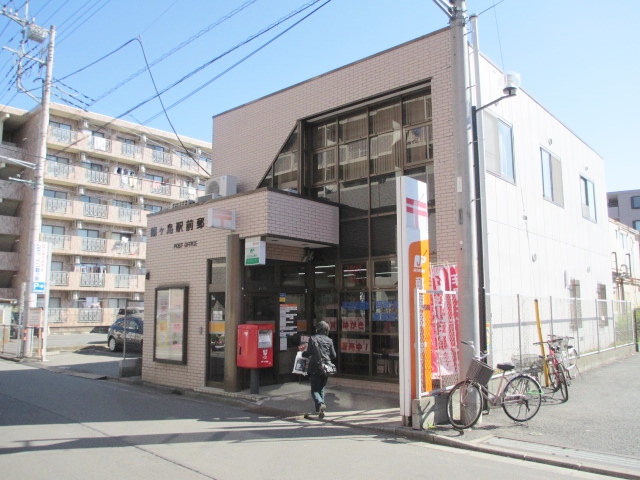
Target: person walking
319, 349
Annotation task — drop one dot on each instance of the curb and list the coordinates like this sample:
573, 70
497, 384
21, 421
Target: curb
253, 403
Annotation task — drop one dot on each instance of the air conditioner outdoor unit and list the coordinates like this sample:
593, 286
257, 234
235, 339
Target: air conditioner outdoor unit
221, 186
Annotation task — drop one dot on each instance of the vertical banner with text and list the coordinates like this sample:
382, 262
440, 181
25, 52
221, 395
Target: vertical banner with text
414, 275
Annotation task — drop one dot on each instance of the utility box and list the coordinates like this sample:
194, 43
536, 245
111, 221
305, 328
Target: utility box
255, 345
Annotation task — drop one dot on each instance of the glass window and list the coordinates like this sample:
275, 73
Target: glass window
170, 343
416, 109
383, 194
90, 199
324, 166
285, 172
354, 312
353, 160
325, 275
588, 196
52, 230
87, 233
96, 167
56, 159
354, 198
385, 118
635, 202
385, 273
551, 177
264, 274
328, 192
383, 235
354, 238
385, 312
119, 269
419, 144
354, 274
292, 275
324, 135
498, 148
353, 127
326, 308
636, 224
121, 204
54, 194
152, 208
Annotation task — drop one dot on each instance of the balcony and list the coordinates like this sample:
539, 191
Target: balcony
97, 247
97, 180
69, 317
102, 282
78, 141
63, 209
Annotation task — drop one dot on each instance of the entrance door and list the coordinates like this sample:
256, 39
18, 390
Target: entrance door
216, 337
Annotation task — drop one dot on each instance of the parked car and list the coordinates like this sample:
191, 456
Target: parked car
115, 337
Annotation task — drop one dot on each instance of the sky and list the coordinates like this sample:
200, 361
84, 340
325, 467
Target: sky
575, 57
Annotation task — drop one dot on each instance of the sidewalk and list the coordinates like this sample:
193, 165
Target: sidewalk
595, 431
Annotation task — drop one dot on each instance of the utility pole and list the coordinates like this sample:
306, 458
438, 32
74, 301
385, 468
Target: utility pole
467, 259
32, 31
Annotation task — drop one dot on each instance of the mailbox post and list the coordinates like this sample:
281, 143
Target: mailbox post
255, 350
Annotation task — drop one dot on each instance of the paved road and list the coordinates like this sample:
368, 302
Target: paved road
64, 426
598, 425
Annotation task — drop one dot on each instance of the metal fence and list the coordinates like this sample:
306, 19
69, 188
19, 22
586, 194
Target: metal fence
594, 325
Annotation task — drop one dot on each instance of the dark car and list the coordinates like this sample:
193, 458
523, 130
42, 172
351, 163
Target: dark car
115, 337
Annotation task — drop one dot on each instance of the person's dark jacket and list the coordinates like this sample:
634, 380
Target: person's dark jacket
324, 350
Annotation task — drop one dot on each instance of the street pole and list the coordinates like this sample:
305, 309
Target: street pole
41, 155
467, 258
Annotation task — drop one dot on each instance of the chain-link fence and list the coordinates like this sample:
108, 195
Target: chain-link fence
512, 329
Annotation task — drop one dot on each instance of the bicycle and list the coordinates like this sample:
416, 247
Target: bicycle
554, 371
520, 398
568, 355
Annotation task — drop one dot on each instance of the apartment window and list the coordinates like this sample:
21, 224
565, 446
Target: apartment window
498, 148
52, 230
588, 197
121, 204
90, 199
635, 202
87, 233
96, 167
153, 208
636, 224
551, 177
54, 194
153, 178
612, 202
119, 269
56, 159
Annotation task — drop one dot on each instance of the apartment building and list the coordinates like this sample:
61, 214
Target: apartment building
102, 178
625, 207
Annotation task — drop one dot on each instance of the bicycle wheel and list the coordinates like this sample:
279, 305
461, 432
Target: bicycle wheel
522, 398
557, 379
572, 362
464, 405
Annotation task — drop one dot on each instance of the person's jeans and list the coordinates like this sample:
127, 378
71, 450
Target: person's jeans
318, 382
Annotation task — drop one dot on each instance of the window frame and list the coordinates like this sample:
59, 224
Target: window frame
166, 352
635, 202
495, 148
588, 199
552, 188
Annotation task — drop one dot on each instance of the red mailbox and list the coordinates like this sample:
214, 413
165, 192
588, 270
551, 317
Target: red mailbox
255, 345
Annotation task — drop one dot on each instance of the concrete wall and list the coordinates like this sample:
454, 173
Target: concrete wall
532, 241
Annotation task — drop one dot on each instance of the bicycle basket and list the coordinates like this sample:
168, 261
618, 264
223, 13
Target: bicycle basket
528, 361
479, 372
